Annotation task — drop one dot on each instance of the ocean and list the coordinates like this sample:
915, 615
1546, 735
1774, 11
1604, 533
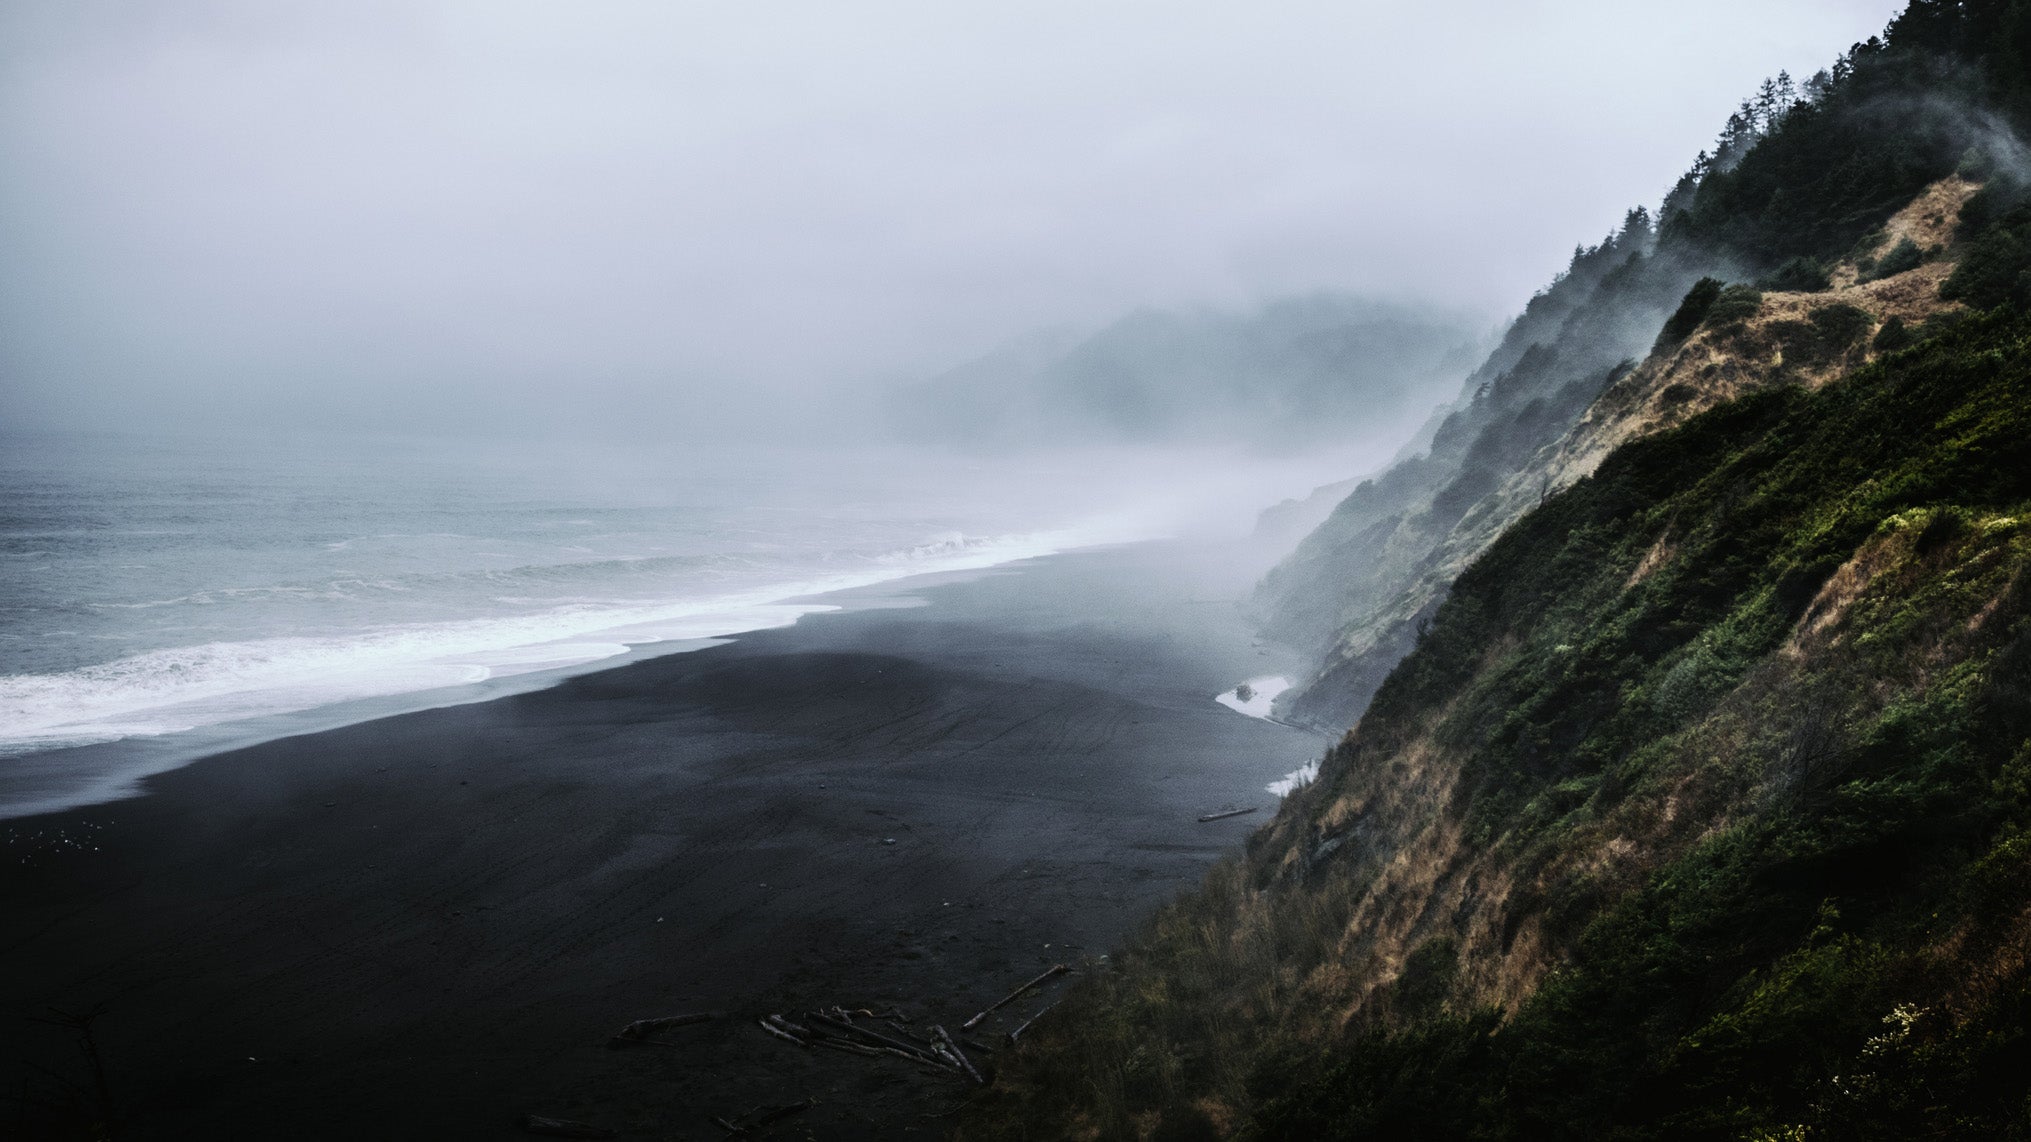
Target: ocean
151, 586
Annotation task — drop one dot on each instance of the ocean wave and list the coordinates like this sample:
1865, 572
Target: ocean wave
167, 690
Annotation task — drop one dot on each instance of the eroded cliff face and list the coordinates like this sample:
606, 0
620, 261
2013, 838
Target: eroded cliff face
1386, 559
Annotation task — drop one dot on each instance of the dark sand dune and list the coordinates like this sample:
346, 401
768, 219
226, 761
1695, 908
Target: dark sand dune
426, 925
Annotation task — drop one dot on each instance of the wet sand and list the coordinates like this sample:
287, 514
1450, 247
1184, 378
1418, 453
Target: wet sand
428, 925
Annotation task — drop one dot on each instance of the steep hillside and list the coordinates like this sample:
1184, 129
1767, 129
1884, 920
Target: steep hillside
1701, 809
1690, 795
1749, 341
1344, 595
1844, 187
1289, 375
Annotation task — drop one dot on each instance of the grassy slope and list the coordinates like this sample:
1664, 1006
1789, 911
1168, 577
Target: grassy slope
1890, 117
1703, 808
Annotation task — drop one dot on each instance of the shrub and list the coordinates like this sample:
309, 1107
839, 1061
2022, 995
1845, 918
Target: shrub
1893, 336
1905, 255
1736, 303
1691, 311
1800, 275
1995, 268
1840, 325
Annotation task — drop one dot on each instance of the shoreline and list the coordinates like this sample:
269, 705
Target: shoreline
431, 923
108, 773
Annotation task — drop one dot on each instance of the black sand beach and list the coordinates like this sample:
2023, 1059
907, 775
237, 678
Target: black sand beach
428, 925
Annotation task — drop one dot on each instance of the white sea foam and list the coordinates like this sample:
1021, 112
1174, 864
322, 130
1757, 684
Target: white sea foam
1262, 694
1259, 702
168, 690
1295, 780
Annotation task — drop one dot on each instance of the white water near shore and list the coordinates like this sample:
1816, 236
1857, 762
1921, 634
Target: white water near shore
1256, 696
179, 688
152, 586
1257, 699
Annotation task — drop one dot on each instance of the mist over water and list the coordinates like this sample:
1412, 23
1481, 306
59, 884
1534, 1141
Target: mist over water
153, 584
691, 312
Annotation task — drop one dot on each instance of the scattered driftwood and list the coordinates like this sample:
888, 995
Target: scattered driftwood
796, 1029
906, 1033
779, 1033
835, 1030
1055, 970
1226, 813
639, 1031
843, 1045
1017, 1033
564, 1128
875, 1038
957, 1055
935, 1062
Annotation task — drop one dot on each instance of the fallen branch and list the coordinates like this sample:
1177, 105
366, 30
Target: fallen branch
906, 1033
641, 1027
1055, 970
957, 1055
797, 1029
779, 1033
640, 1030
875, 1037
924, 1060
1013, 1035
843, 1045
1226, 813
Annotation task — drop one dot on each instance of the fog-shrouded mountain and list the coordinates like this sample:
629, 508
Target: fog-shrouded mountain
1685, 690
1286, 376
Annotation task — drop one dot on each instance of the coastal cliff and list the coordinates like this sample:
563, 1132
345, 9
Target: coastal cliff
1691, 780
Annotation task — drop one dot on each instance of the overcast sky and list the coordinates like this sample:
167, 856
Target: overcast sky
357, 213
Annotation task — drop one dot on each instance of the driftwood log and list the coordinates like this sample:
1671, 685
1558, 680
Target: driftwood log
779, 1033
1055, 970
843, 1045
958, 1056
874, 1038
1017, 1033
640, 1030
1226, 813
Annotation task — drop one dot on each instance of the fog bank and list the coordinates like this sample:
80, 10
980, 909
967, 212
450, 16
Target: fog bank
496, 214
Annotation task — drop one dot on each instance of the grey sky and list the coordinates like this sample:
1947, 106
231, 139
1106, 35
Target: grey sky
368, 211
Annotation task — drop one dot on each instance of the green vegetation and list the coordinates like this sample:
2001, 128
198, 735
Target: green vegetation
1996, 267
1803, 174
1700, 807
1828, 675
1905, 255
1736, 303
1699, 301
1894, 335
1799, 275
1840, 324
